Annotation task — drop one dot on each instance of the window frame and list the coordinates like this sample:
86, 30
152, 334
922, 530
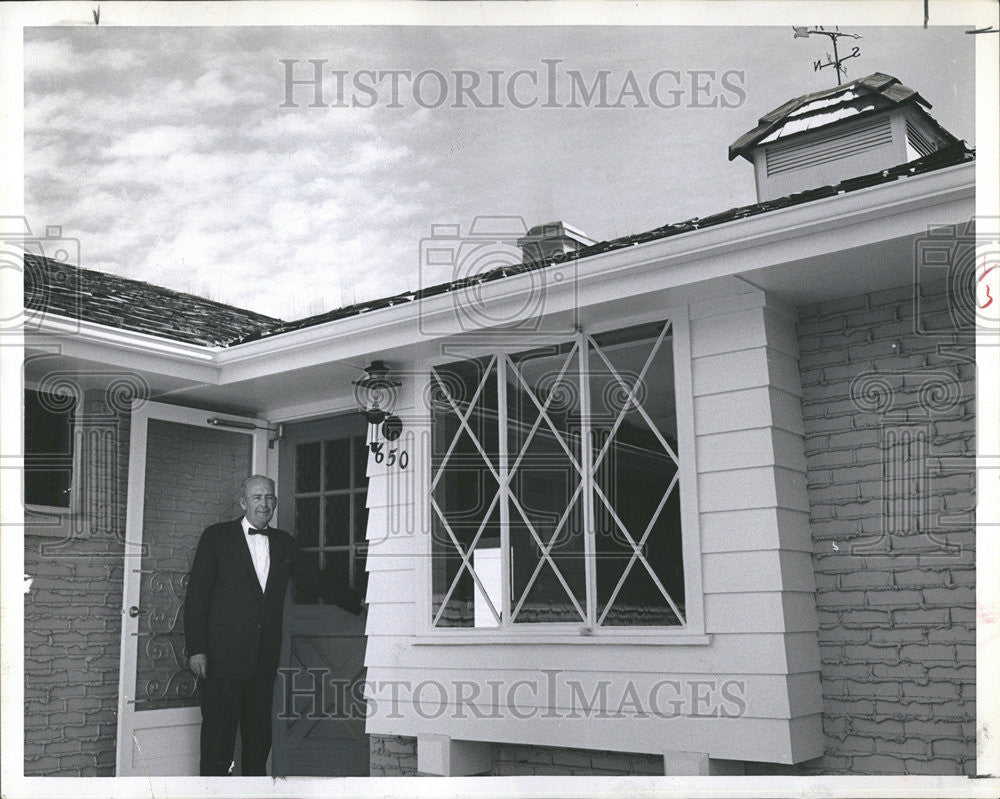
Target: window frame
692, 631
42, 521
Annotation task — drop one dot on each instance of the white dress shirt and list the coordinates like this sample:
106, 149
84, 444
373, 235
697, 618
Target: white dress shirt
260, 553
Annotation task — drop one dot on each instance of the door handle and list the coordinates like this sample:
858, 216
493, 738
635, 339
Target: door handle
133, 611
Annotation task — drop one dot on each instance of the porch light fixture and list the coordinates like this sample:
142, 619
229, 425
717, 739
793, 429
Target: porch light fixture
376, 395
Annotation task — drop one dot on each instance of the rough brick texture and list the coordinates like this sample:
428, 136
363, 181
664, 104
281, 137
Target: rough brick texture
392, 756
509, 759
73, 612
396, 756
72, 616
890, 444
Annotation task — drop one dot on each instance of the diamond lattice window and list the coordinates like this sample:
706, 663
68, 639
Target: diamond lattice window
554, 494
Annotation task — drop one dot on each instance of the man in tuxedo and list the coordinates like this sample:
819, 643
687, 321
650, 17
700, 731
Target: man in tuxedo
232, 625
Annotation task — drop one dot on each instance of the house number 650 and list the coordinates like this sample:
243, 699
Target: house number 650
391, 458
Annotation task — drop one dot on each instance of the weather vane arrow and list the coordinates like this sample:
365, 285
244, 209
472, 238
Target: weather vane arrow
802, 32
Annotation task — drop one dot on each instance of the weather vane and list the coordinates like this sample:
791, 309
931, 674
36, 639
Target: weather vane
837, 62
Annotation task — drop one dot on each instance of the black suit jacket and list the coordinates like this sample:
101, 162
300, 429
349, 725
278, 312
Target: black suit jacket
228, 617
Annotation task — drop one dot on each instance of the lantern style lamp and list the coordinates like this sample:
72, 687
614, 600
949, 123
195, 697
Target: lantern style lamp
376, 396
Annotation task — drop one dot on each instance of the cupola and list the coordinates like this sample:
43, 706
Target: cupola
854, 129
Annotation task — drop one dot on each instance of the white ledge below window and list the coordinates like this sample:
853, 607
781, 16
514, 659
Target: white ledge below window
559, 638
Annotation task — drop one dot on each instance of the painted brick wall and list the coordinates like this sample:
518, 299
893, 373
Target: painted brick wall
72, 617
392, 756
553, 760
396, 756
890, 445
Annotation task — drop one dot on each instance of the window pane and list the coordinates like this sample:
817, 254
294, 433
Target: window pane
544, 444
360, 573
337, 521
360, 461
360, 517
307, 521
337, 463
466, 606
547, 378
467, 514
48, 446
307, 467
453, 388
547, 600
634, 475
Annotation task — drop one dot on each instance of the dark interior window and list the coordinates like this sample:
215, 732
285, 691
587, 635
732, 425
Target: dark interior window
48, 449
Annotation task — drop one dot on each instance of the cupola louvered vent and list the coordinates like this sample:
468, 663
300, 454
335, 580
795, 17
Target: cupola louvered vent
917, 140
859, 128
843, 142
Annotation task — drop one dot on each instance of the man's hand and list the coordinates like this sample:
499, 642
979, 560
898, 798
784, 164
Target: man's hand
199, 665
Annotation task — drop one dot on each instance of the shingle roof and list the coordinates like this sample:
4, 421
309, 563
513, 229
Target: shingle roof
127, 304
876, 92
143, 307
947, 156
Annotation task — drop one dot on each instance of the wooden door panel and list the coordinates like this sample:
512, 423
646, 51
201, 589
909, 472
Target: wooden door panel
320, 713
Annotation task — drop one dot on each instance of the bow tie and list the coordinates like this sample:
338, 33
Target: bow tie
255, 531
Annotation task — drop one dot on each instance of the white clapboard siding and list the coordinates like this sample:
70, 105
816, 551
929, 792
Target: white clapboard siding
393, 586
766, 612
391, 488
755, 528
747, 408
779, 324
740, 449
396, 618
763, 696
725, 305
769, 740
754, 571
758, 487
393, 552
733, 332
746, 653
748, 368
802, 651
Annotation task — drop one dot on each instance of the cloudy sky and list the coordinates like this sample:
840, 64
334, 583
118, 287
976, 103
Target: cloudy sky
178, 155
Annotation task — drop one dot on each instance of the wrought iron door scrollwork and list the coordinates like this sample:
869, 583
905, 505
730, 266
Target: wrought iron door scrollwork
162, 676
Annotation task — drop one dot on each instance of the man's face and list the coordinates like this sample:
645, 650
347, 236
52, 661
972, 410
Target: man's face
258, 502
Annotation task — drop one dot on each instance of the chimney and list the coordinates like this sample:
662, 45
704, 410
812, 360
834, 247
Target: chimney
854, 129
553, 238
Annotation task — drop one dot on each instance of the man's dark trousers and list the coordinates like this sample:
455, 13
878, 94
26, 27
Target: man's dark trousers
228, 703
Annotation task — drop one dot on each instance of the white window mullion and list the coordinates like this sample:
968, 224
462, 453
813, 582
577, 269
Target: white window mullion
504, 489
589, 544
